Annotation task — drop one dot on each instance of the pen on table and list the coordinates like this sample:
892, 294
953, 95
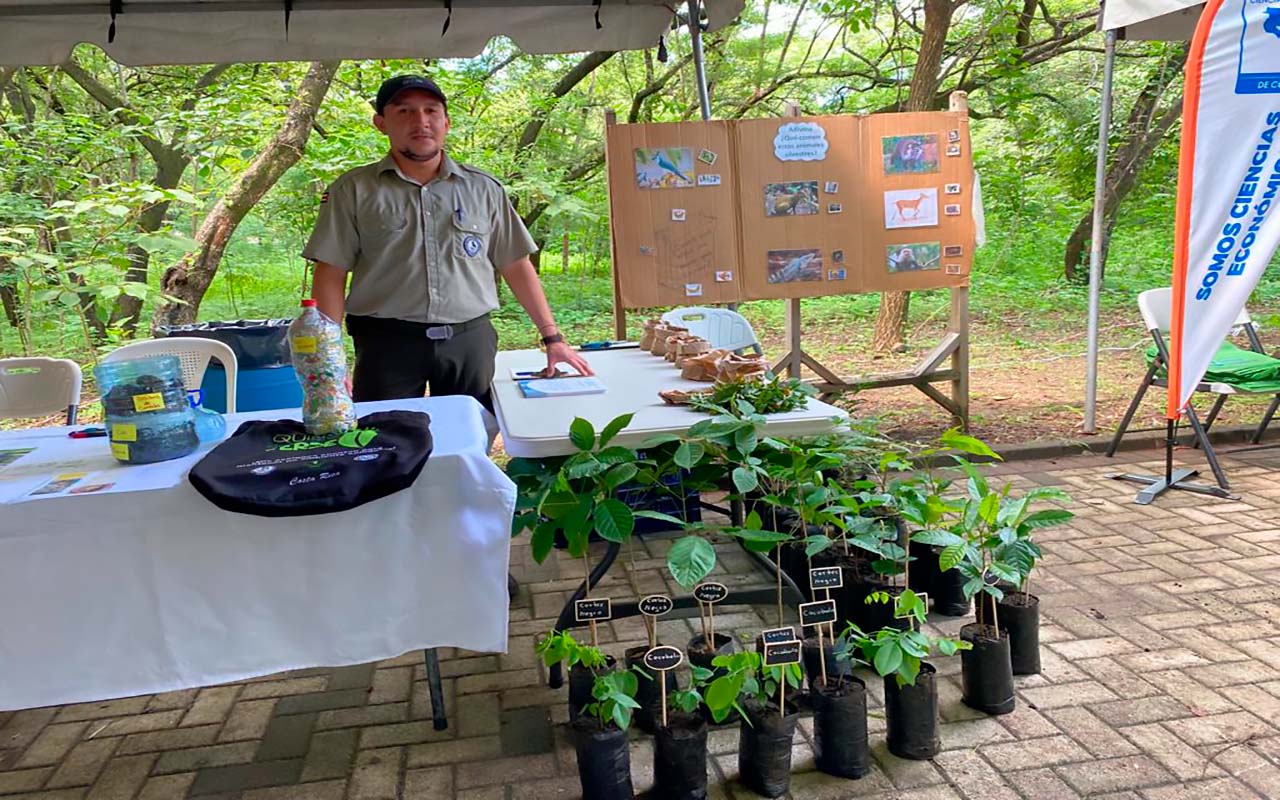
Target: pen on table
88, 433
606, 345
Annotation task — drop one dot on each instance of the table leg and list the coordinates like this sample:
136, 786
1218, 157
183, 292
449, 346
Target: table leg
438, 719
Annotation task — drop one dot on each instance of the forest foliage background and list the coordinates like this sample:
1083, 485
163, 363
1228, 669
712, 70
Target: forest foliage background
135, 197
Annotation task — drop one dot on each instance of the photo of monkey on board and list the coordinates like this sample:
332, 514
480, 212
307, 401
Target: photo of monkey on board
913, 257
910, 155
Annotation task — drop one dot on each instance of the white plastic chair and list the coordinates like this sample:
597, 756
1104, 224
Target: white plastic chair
193, 352
1156, 306
37, 387
724, 329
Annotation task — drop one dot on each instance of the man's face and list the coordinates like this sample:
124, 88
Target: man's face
415, 122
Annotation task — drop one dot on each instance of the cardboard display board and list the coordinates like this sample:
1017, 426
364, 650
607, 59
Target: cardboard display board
790, 207
675, 227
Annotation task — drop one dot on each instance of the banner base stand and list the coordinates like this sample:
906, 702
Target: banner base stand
1159, 484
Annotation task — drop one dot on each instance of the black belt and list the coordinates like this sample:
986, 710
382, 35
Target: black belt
435, 331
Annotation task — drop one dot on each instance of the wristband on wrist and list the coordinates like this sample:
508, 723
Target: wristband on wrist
552, 339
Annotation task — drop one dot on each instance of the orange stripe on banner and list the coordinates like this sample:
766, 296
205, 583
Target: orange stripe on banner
1182, 214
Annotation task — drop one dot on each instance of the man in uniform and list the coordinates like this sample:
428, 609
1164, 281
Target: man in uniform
421, 235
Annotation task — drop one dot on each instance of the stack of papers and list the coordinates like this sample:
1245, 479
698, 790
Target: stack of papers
560, 387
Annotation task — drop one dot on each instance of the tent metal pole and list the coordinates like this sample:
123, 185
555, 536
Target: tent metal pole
699, 65
1095, 238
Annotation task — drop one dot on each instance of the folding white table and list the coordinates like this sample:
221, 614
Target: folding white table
113, 595
539, 427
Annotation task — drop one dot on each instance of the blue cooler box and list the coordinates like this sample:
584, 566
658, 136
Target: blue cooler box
265, 378
256, 389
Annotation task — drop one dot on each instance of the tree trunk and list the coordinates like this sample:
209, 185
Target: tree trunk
185, 283
1143, 130
171, 162
891, 321
128, 309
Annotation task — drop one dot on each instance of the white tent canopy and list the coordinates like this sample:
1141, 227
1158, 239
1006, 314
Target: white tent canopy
1167, 20
37, 32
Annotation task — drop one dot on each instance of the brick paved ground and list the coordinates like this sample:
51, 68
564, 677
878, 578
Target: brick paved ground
1161, 682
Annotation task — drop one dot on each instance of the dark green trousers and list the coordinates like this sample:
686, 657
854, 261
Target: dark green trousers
396, 359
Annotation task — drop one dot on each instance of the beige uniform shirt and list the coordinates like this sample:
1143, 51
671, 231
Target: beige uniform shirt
415, 252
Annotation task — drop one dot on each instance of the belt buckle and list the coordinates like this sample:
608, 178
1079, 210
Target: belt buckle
440, 333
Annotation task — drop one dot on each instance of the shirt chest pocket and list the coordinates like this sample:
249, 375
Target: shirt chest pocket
378, 226
470, 239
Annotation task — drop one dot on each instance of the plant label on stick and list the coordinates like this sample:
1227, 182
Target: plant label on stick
710, 592
780, 654
775, 635
661, 659
826, 578
593, 609
819, 612
655, 605
652, 607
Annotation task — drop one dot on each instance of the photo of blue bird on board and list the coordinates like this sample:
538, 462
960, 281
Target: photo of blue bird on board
664, 168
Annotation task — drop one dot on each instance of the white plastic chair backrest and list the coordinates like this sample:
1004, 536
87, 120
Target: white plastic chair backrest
193, 352
1156, 306
37, 387
724, 329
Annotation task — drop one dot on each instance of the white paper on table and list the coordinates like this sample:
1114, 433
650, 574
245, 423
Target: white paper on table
53, 459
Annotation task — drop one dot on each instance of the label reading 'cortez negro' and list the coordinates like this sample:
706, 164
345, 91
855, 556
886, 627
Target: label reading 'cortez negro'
710, 592
594, 609
826, 578
655, 605
151, 401
663, 657
818, 613
775, 635
778, 654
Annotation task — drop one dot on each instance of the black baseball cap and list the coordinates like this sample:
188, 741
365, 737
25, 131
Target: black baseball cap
394, 86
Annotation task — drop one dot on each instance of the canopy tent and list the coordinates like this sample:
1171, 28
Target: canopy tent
1150, 20
43, 32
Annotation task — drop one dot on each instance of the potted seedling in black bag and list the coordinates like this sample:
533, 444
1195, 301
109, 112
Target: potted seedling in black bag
839, 700
910, 682
762, 688
600, 738
651, 608
585, 663
680, 738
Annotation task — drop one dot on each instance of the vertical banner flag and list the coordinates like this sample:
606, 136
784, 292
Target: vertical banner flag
1227, 223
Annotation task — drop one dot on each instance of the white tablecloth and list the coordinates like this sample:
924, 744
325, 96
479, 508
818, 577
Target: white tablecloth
538, 427
122, 594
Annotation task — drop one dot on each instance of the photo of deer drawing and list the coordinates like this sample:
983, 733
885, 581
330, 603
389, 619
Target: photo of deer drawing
910, 208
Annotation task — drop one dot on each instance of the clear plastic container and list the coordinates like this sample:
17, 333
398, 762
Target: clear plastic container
210, 425
315, 342
145, 407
